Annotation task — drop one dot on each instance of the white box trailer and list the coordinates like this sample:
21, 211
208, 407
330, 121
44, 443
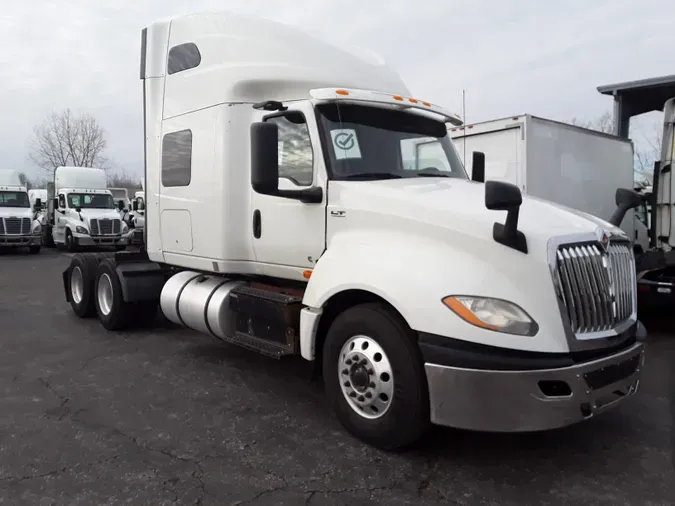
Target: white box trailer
569, 165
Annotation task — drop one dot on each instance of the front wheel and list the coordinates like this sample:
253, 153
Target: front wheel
70, 242
374, 377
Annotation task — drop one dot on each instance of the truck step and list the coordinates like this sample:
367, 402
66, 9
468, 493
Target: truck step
262, 346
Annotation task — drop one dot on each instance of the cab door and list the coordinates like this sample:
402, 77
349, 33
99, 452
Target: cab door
59, 232
287, 233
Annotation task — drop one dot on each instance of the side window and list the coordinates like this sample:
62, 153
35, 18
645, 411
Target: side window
183, 57
296, 157
177, 158
423, 153
62, 201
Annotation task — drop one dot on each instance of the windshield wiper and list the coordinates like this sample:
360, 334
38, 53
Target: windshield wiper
373, 175
432, 174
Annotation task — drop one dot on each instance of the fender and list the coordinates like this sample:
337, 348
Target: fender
413, 273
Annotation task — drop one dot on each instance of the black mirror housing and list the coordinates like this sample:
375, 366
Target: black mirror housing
625, 199
501, 196
134, 205
265, 158
38, 204
478, 167
120, 205
265, 166
78, 209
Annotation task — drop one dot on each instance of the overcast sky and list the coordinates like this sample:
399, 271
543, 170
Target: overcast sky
512, 56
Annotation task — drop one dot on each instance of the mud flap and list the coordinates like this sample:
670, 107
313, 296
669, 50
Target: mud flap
66, 283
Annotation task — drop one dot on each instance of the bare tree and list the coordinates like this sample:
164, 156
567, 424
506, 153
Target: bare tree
67, 139
602, 123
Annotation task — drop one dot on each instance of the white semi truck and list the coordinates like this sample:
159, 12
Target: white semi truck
82, 212
282, 216
18, 224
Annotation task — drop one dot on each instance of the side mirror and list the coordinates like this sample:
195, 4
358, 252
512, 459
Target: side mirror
78, 209
134, 205
625, 200
38, 204
501, 196
55, 201
265, 158
265, 166
120, 205
478, 167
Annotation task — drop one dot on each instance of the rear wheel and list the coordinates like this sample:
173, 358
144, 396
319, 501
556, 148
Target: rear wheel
374, 377
81, 276
112, 311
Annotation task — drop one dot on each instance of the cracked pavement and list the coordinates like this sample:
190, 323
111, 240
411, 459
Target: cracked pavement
169, 416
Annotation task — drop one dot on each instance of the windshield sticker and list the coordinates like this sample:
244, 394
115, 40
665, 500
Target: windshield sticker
345, 143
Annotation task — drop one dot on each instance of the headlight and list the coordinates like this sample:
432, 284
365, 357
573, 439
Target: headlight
81, 230
37, 229
492, 314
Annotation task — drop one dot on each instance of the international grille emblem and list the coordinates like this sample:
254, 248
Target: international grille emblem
603, 239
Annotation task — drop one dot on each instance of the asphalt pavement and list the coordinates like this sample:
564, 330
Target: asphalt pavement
170, 416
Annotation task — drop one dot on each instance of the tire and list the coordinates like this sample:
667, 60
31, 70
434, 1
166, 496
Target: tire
402, 418
34, 250
112, 311
70, 242
81, 274
47, 239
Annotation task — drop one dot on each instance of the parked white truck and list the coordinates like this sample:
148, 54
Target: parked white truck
18, 224
566, 164
82, 211
281, 216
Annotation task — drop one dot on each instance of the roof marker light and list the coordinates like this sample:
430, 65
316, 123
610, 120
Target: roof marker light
342, 92
397, 97
427, 104
413, 100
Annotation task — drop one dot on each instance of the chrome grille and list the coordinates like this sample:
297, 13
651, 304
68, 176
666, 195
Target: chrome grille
597, 287
105, 227
16, 226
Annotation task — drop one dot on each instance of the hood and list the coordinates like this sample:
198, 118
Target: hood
456, 206
98, 214
18, 212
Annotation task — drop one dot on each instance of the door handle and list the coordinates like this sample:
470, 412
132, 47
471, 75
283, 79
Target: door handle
257, 225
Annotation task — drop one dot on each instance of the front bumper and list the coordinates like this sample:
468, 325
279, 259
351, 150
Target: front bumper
20, 240
517, 398
99, 240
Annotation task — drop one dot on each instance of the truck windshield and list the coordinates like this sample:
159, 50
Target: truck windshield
90, 201
366, 142
14, 199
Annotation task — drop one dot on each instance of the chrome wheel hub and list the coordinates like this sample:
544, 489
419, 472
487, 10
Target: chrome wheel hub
76, 285
104, 294
366, 377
